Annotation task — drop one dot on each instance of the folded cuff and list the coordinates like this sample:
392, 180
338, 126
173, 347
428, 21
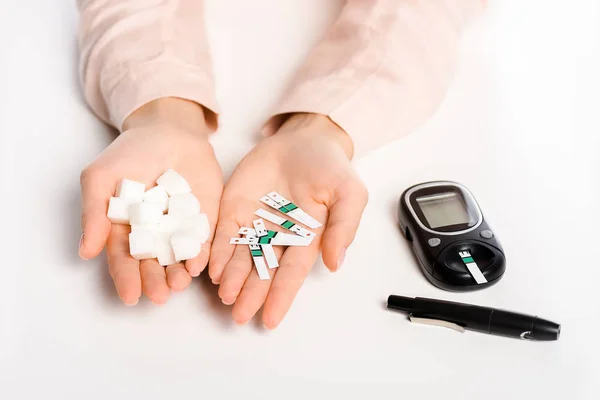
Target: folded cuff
146, 82
356, 106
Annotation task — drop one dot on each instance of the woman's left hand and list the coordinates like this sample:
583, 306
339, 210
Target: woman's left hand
306, 161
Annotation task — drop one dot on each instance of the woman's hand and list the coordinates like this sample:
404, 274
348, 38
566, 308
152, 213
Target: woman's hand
307, 161
167, 133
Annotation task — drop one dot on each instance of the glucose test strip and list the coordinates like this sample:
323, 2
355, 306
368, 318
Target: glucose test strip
268, 252
259, 262
261, 240
284, 223
273, 238
294, 211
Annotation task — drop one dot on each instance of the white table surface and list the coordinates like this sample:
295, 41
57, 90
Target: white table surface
520, 127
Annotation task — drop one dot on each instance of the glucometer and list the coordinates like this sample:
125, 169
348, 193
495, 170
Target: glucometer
453, 243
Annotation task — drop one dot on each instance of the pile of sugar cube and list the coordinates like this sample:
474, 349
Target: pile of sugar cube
165, 220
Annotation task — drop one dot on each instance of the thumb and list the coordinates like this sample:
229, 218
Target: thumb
344, 217
95, 193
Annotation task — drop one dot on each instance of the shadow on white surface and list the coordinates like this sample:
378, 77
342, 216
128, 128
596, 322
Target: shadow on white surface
108, 293
214, 309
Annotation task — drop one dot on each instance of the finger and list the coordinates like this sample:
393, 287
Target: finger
253, 294
178, 277
210, 206
154, 281
196, 265
344, 217
96, 191
235, 274
295, 264
221, 251
124, 270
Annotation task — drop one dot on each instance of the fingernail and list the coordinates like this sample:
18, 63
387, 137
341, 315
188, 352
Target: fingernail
216, 280
270, 326
81, 247
228, 303
341, 258
132, 304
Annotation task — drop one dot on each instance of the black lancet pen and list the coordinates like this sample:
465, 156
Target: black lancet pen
461, 316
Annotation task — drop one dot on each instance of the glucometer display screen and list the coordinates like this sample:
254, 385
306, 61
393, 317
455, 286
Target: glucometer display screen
444, 209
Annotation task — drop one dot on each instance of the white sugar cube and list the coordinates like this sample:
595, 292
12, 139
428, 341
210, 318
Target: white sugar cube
184, 205
144, 213
199, 224
157, 195
145, 227
131, 191
174, 183
167, 224
164, 251
118, 211
185, 244
142, 244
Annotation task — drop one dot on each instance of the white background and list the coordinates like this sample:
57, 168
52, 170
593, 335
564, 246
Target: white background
520, 127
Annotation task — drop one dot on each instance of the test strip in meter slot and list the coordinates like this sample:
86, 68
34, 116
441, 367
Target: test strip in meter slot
273, 238
259, 261
294, 211
269, 253
284, 223
472, 267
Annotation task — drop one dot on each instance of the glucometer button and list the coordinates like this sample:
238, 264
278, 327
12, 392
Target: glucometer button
433, 242
487, 234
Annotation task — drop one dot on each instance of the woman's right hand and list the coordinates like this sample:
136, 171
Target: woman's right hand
166, 133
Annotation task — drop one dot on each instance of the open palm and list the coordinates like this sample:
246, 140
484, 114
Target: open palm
143, 154
306, 164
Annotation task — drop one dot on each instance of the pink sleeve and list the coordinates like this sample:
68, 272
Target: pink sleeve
136, 51
383, 68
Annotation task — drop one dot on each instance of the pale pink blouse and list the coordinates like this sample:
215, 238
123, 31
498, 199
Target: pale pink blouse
379, 73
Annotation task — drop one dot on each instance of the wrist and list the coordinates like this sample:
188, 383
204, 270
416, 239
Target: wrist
307, 125
170, 111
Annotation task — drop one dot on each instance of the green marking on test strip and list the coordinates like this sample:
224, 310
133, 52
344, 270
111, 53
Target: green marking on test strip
288, 224
283, 209
256, 253
291, 207
468, 260
271, 234
264, 240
